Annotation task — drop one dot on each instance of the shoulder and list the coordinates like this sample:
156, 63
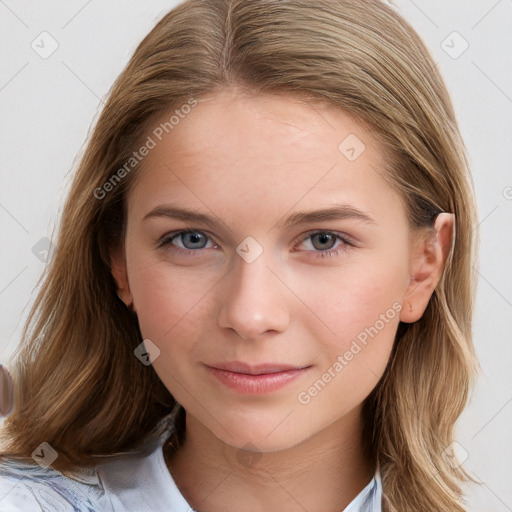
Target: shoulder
32, 488
125, 481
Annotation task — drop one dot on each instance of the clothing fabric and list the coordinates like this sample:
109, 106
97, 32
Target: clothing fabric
137, 481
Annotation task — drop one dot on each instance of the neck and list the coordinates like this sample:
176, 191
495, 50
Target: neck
322, 474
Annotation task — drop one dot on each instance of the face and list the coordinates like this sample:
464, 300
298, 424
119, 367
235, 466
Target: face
268, 261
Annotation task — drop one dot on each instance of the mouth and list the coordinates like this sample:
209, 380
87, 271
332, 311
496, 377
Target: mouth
256, 379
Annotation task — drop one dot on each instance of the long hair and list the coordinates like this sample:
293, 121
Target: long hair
78, 385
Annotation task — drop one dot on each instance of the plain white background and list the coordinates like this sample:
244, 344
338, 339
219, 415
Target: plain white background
48, 102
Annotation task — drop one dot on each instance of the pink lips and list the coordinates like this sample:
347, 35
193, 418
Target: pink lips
255, 379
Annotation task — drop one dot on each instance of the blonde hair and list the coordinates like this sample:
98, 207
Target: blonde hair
76, 367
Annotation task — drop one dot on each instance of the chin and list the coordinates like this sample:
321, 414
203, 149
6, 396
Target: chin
261, 433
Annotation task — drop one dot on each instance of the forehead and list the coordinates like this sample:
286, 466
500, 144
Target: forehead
231, 122
239, 150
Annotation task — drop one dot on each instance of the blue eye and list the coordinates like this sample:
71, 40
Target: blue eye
190, 240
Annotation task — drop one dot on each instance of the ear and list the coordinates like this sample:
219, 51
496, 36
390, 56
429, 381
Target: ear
120, 274
428, 258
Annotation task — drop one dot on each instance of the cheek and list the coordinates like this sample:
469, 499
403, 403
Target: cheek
359, 295
361, 304
365, 320
170, 304
167, 299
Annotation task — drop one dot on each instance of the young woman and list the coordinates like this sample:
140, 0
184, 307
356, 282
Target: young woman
262, 293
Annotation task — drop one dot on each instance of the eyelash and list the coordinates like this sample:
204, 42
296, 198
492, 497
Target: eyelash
166, 240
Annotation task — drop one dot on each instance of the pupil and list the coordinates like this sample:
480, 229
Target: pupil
323, 239
194, 238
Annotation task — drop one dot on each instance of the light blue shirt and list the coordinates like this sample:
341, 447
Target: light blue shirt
137, 481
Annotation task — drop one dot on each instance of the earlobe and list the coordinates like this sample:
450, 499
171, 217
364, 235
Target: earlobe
119, 272
428, 261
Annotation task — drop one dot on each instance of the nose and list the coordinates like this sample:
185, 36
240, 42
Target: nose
254, 300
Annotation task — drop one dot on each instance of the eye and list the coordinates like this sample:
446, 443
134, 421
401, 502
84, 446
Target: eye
189, 240
324, 243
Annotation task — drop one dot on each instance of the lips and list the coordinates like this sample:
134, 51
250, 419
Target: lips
251, 379
260, 369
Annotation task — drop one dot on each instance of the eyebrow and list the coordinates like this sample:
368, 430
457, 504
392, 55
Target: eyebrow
338, 212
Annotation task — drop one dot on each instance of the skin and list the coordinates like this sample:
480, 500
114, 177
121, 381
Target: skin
249, 162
